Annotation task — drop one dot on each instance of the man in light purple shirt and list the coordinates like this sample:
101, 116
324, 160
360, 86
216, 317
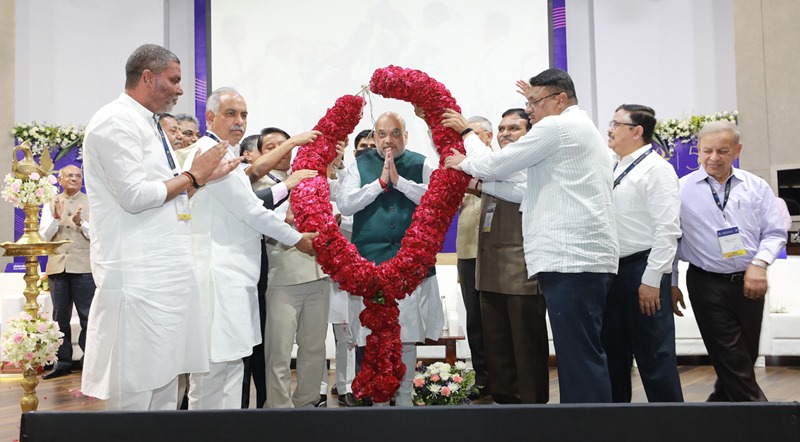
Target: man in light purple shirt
732, 231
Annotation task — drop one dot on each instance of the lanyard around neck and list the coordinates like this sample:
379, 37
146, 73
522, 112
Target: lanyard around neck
724, 202
631, 166
166, 146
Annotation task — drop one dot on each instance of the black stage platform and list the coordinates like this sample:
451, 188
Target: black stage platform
593, 422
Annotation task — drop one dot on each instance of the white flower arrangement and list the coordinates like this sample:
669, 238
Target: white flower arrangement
443, 384
685, 129
37, 190
29, 343
56, 138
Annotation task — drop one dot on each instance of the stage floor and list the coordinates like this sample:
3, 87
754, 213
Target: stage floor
780, 384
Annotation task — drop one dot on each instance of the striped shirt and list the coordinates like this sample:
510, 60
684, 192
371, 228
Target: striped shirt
568, 210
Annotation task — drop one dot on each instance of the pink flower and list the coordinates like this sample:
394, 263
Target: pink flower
39, 192
52, 179
16, 185
445, 392
18, 337
457, 378
419, 382
42, 328
35, 176
25, 316
29, 356
435, 378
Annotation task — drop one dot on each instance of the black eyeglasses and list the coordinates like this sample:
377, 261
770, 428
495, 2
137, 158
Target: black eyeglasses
535, 102
615, 124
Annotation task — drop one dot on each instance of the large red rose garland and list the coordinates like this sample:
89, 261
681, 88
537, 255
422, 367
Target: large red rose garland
381, 285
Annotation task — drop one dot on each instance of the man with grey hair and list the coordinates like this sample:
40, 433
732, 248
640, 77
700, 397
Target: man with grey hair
145, 322
228, 220
189, 127
466, 252
381, 189
732, 231
68, 271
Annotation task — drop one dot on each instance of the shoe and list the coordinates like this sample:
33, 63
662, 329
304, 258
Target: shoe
334, 391
348, 400
57, 372
323, 402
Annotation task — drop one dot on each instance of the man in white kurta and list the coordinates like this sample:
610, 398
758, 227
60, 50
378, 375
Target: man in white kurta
421, 314
228, 220
145, 323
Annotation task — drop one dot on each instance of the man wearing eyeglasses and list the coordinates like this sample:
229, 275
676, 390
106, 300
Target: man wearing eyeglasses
381, 189
68, 272
638, 321
568, 224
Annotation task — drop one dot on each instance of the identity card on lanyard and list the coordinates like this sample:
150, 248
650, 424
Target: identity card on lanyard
182, 200
487, 221
730, 240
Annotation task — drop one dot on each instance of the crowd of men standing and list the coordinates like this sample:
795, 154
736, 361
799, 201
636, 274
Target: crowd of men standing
199, 269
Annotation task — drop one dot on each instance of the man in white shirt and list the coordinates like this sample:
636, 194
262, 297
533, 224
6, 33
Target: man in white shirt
638, 321
381, 189
69, 272
568, 224
145, 323
228, 220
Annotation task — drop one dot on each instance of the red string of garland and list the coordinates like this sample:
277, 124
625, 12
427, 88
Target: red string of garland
381, 285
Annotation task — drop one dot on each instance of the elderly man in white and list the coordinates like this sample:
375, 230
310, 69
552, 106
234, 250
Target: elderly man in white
227, 221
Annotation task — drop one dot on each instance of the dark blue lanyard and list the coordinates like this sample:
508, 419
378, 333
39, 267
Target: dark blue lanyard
630, 167
166, 146
213, 136
724, 202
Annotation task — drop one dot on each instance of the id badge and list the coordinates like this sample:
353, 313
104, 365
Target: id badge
730, 241
182, 205
487, 221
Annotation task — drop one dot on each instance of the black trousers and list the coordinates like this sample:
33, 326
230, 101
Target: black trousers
66, 290
517, 351
730, 325
627, 332
472, 304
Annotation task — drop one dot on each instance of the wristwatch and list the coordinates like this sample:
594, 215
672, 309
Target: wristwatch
759, 263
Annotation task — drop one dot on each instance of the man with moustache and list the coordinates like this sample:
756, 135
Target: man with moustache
228, 220
568, 224
145, 323
170, 128
381, 189
733, 228
638, 322
513, 309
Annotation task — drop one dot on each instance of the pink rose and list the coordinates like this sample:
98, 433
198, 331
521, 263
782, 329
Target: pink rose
42, 328
25, 316
419, 382
52, 179
18, 337
39, 192
435, 378
29, 356
457, 378
16, 185
445, 392
35, 176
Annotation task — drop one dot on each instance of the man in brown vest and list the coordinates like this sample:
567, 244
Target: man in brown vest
68, 272
513, 309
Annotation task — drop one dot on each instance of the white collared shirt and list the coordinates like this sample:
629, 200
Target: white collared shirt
568, 210
647, 208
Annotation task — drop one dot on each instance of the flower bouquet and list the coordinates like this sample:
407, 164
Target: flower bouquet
672, 130
43, 284
30, 342
37, 190
443, 384
56, 138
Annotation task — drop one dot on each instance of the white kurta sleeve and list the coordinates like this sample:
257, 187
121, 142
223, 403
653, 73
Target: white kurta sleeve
351, 196
48, 226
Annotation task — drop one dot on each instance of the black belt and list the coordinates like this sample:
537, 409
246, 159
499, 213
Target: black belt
731, 277
635, 257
